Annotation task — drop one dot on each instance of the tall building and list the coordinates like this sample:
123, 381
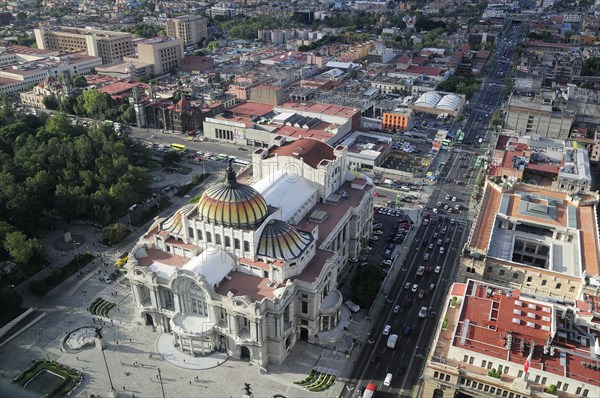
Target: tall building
499, 342
190, 28
162, 52
251, 269
109, 46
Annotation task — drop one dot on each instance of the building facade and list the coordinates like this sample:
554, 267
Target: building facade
488, 334
164, 54
190, 28
251, 269
108, 45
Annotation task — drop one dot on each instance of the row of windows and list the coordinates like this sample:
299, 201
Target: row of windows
484, 364
218, 240
489, 389
441, 376
516, 276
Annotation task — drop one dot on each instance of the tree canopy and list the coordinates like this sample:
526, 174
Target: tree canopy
50, 168
591, 67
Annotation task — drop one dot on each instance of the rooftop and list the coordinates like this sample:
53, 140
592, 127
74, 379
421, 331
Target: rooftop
326, 109
537, 213
311, 151
498, 323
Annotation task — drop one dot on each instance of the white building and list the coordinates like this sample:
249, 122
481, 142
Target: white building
19, 77
249, 270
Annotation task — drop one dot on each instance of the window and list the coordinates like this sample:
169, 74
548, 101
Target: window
516, 275
236, 243
520, 374
502, 272
199, 234
471, 360
466, 358
305, 307
559, 383
558, 285
490, 364
436, 374
483, 363
474, 384
544, 380
191, 232
537, 379
506, 369
492, 390
586, 392
544, 282
565, 386
529, 278
227, 241
217, 239
571, 289
208, 237
486, 388
489, 270
447, 377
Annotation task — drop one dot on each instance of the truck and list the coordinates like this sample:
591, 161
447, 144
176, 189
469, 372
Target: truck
392, 340
122, 259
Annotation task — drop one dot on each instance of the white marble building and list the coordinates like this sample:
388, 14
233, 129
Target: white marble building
249, 270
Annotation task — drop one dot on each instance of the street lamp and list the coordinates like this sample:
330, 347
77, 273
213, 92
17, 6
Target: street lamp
161, 383
112, 388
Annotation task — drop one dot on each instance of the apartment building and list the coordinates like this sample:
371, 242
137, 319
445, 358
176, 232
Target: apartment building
109, 46
496, 341
528, 115
190, 28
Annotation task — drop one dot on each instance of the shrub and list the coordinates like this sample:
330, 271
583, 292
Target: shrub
495, 373
551, 389
445, 323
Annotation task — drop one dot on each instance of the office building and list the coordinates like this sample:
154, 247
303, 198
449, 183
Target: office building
190, 28
109, 46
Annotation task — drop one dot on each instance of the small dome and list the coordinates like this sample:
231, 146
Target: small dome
233, 204
282, 241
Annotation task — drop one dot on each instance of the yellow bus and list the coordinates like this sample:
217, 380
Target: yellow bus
178, 147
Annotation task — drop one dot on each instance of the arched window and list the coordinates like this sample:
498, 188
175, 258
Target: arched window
516, 275
529, 278
489, 270
198, 302
558, 285
544, 282
572, 289
502, 272
208, 237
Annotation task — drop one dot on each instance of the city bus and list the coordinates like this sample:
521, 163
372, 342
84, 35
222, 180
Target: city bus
178, 147
241, 162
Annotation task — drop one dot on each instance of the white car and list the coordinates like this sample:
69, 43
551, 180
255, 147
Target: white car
437, 269
387, 262
442, 250
407, 285
396, 309
386, 330
423, 313
415, 287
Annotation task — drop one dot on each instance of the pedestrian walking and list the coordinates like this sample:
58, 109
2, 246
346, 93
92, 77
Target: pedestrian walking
77, 358
190, 382
123, 388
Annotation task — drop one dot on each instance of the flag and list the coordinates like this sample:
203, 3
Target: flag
527, 363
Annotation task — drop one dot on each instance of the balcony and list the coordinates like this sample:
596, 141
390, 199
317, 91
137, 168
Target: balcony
193, 326
331, 303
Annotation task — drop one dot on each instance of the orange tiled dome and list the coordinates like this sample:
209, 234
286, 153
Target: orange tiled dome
233, 204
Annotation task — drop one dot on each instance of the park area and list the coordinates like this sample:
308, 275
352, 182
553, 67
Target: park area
49, 379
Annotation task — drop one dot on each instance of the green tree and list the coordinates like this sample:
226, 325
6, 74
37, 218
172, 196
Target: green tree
50, 102
80, 81
26, 252
93, 102
128, 116
115, 233
171, 157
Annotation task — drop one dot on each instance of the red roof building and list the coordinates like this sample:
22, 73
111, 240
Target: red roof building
490, 333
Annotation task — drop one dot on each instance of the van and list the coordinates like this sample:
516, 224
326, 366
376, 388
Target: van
388, 380
392, 340
352, 307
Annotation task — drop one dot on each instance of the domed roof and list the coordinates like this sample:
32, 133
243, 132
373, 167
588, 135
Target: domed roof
429, 99
232, 204
280, 240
